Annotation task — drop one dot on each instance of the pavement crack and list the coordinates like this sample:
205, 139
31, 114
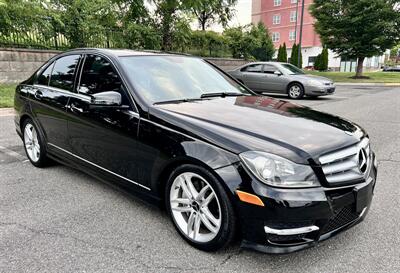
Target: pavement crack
62, 235
230, 256
388, 160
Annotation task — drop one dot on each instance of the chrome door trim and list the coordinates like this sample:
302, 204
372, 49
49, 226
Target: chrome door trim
102, 168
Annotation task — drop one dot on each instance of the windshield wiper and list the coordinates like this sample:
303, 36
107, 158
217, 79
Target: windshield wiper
221, 94
175, 101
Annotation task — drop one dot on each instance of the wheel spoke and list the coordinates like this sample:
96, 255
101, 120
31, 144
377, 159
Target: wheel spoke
207, 213
196, 228
184, 201
208, 224
192, 189
208, 199
34, 136
28, 133
182, 209
184, 187
190, 223
202, 192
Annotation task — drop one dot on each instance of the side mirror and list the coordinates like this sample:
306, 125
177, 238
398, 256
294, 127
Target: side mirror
278, 73
109, 98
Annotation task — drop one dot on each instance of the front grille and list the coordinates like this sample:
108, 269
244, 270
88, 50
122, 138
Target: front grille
343, 217
348, 164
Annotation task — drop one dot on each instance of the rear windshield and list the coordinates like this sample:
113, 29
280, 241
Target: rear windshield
165, 78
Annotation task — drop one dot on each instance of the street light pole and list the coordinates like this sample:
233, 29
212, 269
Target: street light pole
301, 32
297, 19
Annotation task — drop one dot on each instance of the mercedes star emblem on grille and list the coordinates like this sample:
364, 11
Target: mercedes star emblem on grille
362, 160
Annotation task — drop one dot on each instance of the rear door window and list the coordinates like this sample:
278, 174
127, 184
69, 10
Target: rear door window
63, 74
255, 68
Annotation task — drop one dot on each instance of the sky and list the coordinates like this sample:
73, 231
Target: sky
243, 13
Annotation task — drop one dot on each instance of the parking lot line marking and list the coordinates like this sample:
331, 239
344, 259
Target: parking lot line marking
11, 153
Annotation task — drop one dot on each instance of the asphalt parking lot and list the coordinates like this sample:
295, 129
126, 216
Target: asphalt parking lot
58, 219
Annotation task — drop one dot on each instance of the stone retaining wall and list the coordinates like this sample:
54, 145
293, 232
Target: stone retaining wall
17, 64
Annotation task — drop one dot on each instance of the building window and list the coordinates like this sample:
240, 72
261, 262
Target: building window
277, 2
276, 19
276, 36
293, 16
292, 35
293, 1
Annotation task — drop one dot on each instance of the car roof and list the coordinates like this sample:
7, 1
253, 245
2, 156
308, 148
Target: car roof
123, 52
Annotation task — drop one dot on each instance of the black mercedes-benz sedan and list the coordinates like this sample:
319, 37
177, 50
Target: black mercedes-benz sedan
180, 133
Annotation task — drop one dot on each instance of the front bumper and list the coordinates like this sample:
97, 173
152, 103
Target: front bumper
320, 90
295, 219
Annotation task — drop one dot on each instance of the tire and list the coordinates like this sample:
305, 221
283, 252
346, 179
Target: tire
34, 145
295, 91
214, 232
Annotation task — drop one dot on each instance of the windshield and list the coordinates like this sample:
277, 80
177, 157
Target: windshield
167, 78
291, 69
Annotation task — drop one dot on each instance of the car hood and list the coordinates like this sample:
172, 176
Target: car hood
260, 123
306, 77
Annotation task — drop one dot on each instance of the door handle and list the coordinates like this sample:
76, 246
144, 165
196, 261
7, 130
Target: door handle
38, 95
76, 109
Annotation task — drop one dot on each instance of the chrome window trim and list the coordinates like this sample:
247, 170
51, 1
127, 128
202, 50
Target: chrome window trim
102, 168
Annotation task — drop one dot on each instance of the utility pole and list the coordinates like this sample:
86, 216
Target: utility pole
301, 32
297, 18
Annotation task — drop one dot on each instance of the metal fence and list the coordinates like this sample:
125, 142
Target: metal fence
105, 38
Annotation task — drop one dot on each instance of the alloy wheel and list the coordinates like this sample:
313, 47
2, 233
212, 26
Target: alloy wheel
295, 91
31, 142
195, 207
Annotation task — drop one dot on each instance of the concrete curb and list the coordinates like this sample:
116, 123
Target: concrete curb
367, 84
7, 112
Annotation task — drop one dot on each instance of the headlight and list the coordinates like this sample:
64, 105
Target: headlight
315, 82
278, 171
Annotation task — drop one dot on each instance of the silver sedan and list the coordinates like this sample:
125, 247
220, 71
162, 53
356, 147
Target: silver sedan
283, 78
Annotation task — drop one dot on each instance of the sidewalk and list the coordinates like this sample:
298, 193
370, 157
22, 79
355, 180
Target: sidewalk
367, 84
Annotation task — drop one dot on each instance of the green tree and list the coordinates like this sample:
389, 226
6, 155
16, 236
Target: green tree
236, 42
324, 59
82, 21
263, 48
279, 57
170, 18
357, 28
317, 62
208, 12
21, 16
284, 53
294, 55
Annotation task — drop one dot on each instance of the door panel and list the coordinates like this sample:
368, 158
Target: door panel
252, 76
104, 136
49, 103
272, 82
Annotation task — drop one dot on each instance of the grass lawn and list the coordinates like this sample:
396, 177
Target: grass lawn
375, 77
7, 95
